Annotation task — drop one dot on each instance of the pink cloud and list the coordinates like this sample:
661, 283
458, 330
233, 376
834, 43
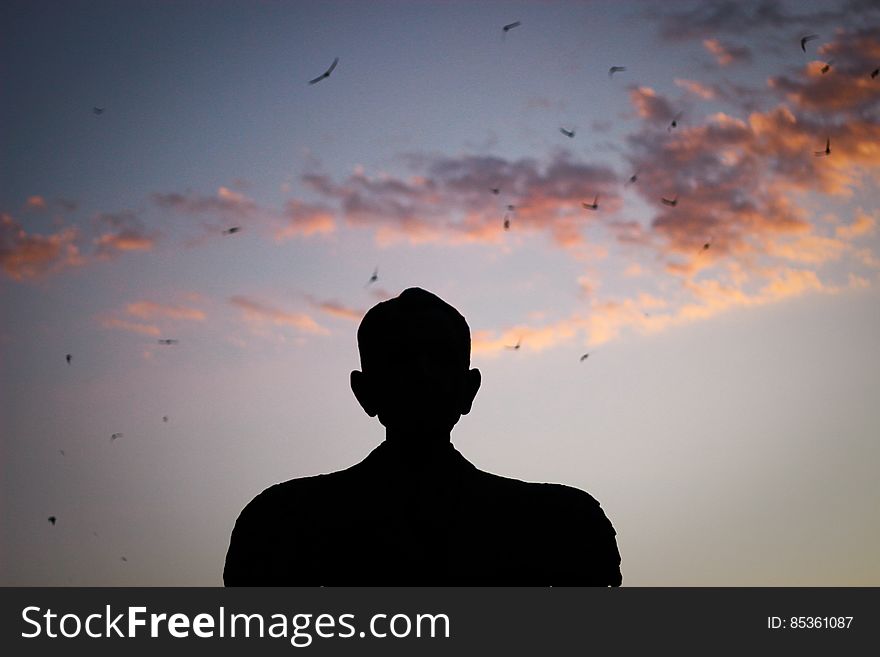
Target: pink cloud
151, 310
35, 203
257, 312
727, 53
29, 256
131, 327
304, 219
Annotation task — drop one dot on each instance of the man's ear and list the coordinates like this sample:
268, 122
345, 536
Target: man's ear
360, 386
472, 381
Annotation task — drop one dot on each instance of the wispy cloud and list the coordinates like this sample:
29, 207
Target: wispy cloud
727, 53
26, 255
258, 313
336, 309
132, 327
145, 309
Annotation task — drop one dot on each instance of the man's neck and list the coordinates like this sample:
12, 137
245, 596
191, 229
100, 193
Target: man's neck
418, 447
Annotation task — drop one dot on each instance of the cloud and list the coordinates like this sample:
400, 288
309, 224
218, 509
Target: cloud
125, 234
305, 220
650, 105
226, 203
28, 256
448, 199
257, 313
864, 224
132, 327
848, 87
696, 88
35, 203
337, 309
733, 17
727, 53
151, 310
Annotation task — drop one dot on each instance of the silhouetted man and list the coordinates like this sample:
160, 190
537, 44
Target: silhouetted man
415, 511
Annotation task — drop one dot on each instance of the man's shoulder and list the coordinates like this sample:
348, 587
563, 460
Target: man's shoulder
556, 495
300, 489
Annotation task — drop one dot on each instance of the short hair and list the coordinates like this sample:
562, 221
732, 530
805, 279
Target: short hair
394, 322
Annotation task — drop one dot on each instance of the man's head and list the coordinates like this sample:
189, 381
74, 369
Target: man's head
415, 354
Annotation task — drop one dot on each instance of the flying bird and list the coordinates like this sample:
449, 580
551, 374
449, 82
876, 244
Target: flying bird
516, 346
68, 358
670, 202
827, 150
506, 222
167, 341
374, 277
164, 418
61, 451
875, 73
615, 69
706, 245
230, 231
675, 121
567, 133
827, 67
115, 436
97, 111
633, 178
495, 190
807, 38
592, 206
124, 559
52, 520
325, 74
584, 357
507, 28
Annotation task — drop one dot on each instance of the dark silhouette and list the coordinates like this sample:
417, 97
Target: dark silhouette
567, 133
807, 38
827, 150
615, 69
68, 358
325, 74
232, 230
592, 206
507, 28
52, 520
415, 511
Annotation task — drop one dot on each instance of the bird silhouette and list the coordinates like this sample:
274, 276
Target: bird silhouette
567, 133
615, 69
584, 357
52, 520
827, 67
592, 206
507, 28
168, 341
68, 358
875, 73
670, 202
807, 38
495, 190
164, 418
61, 451
115, 436
516, 346
374, 277
506, 222
706, 245
97, 111
230, 231
675, 121
325, 74
124, 559
827, 150
633, 178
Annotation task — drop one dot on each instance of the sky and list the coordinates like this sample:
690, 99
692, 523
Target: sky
726, 417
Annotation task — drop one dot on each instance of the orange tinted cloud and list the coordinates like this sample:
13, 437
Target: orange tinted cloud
151, 310
35, 203
28, 256
304, 219
132, 327
726, 53
258, 312
696, 88
650, 105
337, 309
863, 224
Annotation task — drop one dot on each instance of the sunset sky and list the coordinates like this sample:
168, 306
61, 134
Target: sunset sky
728, 415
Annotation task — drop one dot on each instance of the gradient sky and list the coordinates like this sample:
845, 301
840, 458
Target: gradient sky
727, 416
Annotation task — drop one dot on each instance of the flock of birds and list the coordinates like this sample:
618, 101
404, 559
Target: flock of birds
510, 208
